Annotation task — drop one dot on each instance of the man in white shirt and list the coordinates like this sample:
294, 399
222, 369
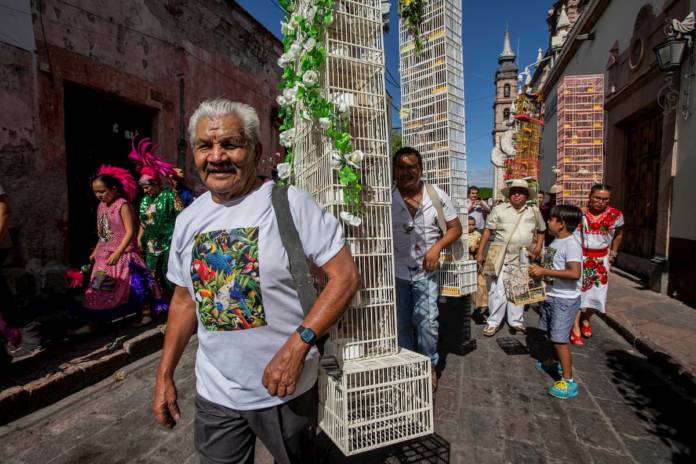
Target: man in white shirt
256, 366
418, 241
520, 225
477, 208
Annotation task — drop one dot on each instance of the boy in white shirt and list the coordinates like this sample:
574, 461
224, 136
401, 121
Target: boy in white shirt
563, 264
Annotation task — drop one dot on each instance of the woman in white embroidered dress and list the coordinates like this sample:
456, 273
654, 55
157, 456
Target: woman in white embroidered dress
601, 238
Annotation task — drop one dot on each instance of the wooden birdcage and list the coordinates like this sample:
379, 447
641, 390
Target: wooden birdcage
521, 289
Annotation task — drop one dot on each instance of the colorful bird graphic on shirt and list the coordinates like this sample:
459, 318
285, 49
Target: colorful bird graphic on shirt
226, 280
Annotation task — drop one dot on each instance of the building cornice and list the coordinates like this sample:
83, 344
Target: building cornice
583, 25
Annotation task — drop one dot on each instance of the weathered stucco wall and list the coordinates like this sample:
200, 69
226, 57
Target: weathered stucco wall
136, 50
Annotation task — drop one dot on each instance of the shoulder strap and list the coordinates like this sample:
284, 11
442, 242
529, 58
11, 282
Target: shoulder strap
437, 204
304, 283
519, 219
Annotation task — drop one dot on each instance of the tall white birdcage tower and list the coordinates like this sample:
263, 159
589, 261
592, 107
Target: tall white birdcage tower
384, 394
433, 122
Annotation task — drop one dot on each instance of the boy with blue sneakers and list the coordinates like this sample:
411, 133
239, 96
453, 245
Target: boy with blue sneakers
563, 268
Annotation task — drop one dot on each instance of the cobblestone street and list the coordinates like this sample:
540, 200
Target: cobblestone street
491, 406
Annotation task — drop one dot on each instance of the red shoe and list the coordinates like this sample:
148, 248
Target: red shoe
576, 339
586, 330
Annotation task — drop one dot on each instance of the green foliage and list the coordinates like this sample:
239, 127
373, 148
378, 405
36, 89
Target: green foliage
395, 141
412, 12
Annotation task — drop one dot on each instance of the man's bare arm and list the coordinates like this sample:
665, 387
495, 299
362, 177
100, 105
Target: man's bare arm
283, 371
181, 324
4, 216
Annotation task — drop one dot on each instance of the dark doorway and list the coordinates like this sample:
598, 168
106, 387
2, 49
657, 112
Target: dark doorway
98, 130
642, 175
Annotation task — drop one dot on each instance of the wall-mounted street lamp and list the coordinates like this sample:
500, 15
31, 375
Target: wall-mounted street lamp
669, 54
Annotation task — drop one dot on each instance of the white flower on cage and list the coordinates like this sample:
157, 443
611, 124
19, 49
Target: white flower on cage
355, 158
350, 218
288, 28
280, 99
290, 95
286, 58
295, 49
309, 44
306, 115
336, 159
310, 77
284, 170
287, 137
325, 123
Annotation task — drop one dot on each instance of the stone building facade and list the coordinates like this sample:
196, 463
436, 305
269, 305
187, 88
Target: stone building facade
79, 78
650, 150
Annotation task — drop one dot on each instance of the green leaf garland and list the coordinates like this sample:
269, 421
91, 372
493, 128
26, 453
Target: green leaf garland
301, 95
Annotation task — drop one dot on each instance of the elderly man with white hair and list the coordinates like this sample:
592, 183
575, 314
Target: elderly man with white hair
256, 365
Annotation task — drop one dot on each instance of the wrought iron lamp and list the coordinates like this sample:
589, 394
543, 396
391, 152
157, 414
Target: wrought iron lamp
669, 54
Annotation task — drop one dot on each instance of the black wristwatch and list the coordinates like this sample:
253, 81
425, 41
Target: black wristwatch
307, 335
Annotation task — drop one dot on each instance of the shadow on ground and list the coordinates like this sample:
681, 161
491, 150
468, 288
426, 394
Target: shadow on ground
666, 413
430, 449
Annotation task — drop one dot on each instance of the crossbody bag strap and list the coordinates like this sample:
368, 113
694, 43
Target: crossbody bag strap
514, 229
437, 204
299, 269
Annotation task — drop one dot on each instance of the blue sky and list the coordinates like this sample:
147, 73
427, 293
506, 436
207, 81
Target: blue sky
482, 32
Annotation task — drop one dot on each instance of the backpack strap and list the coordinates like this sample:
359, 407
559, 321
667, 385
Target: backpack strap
437, 204
304, 283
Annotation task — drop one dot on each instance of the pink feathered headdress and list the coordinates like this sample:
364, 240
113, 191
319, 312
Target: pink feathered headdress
147, 163
130, 187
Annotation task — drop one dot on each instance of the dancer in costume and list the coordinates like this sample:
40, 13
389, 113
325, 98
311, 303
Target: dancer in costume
601, 238
183, 195
120, 283
158, 208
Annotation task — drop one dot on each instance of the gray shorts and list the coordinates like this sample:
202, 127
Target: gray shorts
557, 316
225, 435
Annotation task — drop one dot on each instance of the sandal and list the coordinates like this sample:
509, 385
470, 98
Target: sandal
576, 339
586, 329
489, 331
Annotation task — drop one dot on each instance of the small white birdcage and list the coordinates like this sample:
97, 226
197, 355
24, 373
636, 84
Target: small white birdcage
520, 288
457, 278
377, 402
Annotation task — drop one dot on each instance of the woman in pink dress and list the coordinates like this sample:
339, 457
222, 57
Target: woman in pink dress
120, 282
601, 238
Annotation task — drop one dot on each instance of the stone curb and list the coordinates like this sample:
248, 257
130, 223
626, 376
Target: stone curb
680, 374
19, 401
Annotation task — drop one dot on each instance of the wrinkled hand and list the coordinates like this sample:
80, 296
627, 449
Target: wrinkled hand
282, 373
479, 259
93, 256
113, 258
431, 259
612, 259
536, 271
164, 406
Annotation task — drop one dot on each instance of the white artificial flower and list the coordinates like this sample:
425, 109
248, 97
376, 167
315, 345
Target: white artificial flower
295, 49
336, 160
310, 44
290, 95
355, 221
325, 123
343, 107
286, 58
284, 170
280, 99
287, 137
310, 77
350, 218
287, 28
355, 158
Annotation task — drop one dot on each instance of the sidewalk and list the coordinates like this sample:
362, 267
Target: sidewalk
661, 328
